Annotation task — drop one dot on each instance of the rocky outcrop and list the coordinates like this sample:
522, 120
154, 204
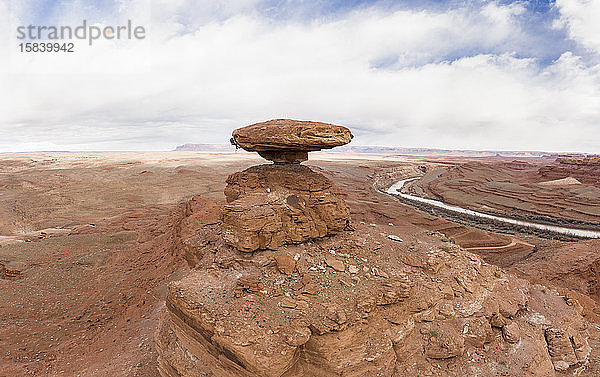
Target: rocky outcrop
289, 141
11, 270
361, 304
272, 205
585, 169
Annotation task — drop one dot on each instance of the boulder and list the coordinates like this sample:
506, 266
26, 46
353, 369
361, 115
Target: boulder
511, 332
285, 263
289, 141
560, 348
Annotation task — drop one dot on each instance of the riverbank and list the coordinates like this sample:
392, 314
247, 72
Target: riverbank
489, 222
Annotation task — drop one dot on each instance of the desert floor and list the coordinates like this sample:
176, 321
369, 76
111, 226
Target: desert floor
87, 246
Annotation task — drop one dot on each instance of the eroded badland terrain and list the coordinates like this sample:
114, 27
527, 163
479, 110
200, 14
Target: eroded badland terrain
149, 264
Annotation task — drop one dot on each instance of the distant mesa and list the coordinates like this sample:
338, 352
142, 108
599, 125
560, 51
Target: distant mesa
584, 168
288, 140
215, 148
382, 150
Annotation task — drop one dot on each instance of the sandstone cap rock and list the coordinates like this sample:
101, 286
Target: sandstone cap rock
288, 140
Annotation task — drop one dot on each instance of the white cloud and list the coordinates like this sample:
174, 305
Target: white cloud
408, 78
582, 20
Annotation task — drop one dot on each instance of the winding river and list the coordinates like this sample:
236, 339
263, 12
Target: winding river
396, 188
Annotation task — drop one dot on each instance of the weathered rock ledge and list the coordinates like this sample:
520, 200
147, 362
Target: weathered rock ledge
360, 304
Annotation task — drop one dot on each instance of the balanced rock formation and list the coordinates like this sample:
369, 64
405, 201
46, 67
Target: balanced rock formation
356, 303
289, 141
283, 203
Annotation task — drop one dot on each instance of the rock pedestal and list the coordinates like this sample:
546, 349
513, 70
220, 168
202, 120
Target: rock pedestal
272, 205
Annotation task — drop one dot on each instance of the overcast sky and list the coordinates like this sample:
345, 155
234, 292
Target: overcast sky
497, 75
